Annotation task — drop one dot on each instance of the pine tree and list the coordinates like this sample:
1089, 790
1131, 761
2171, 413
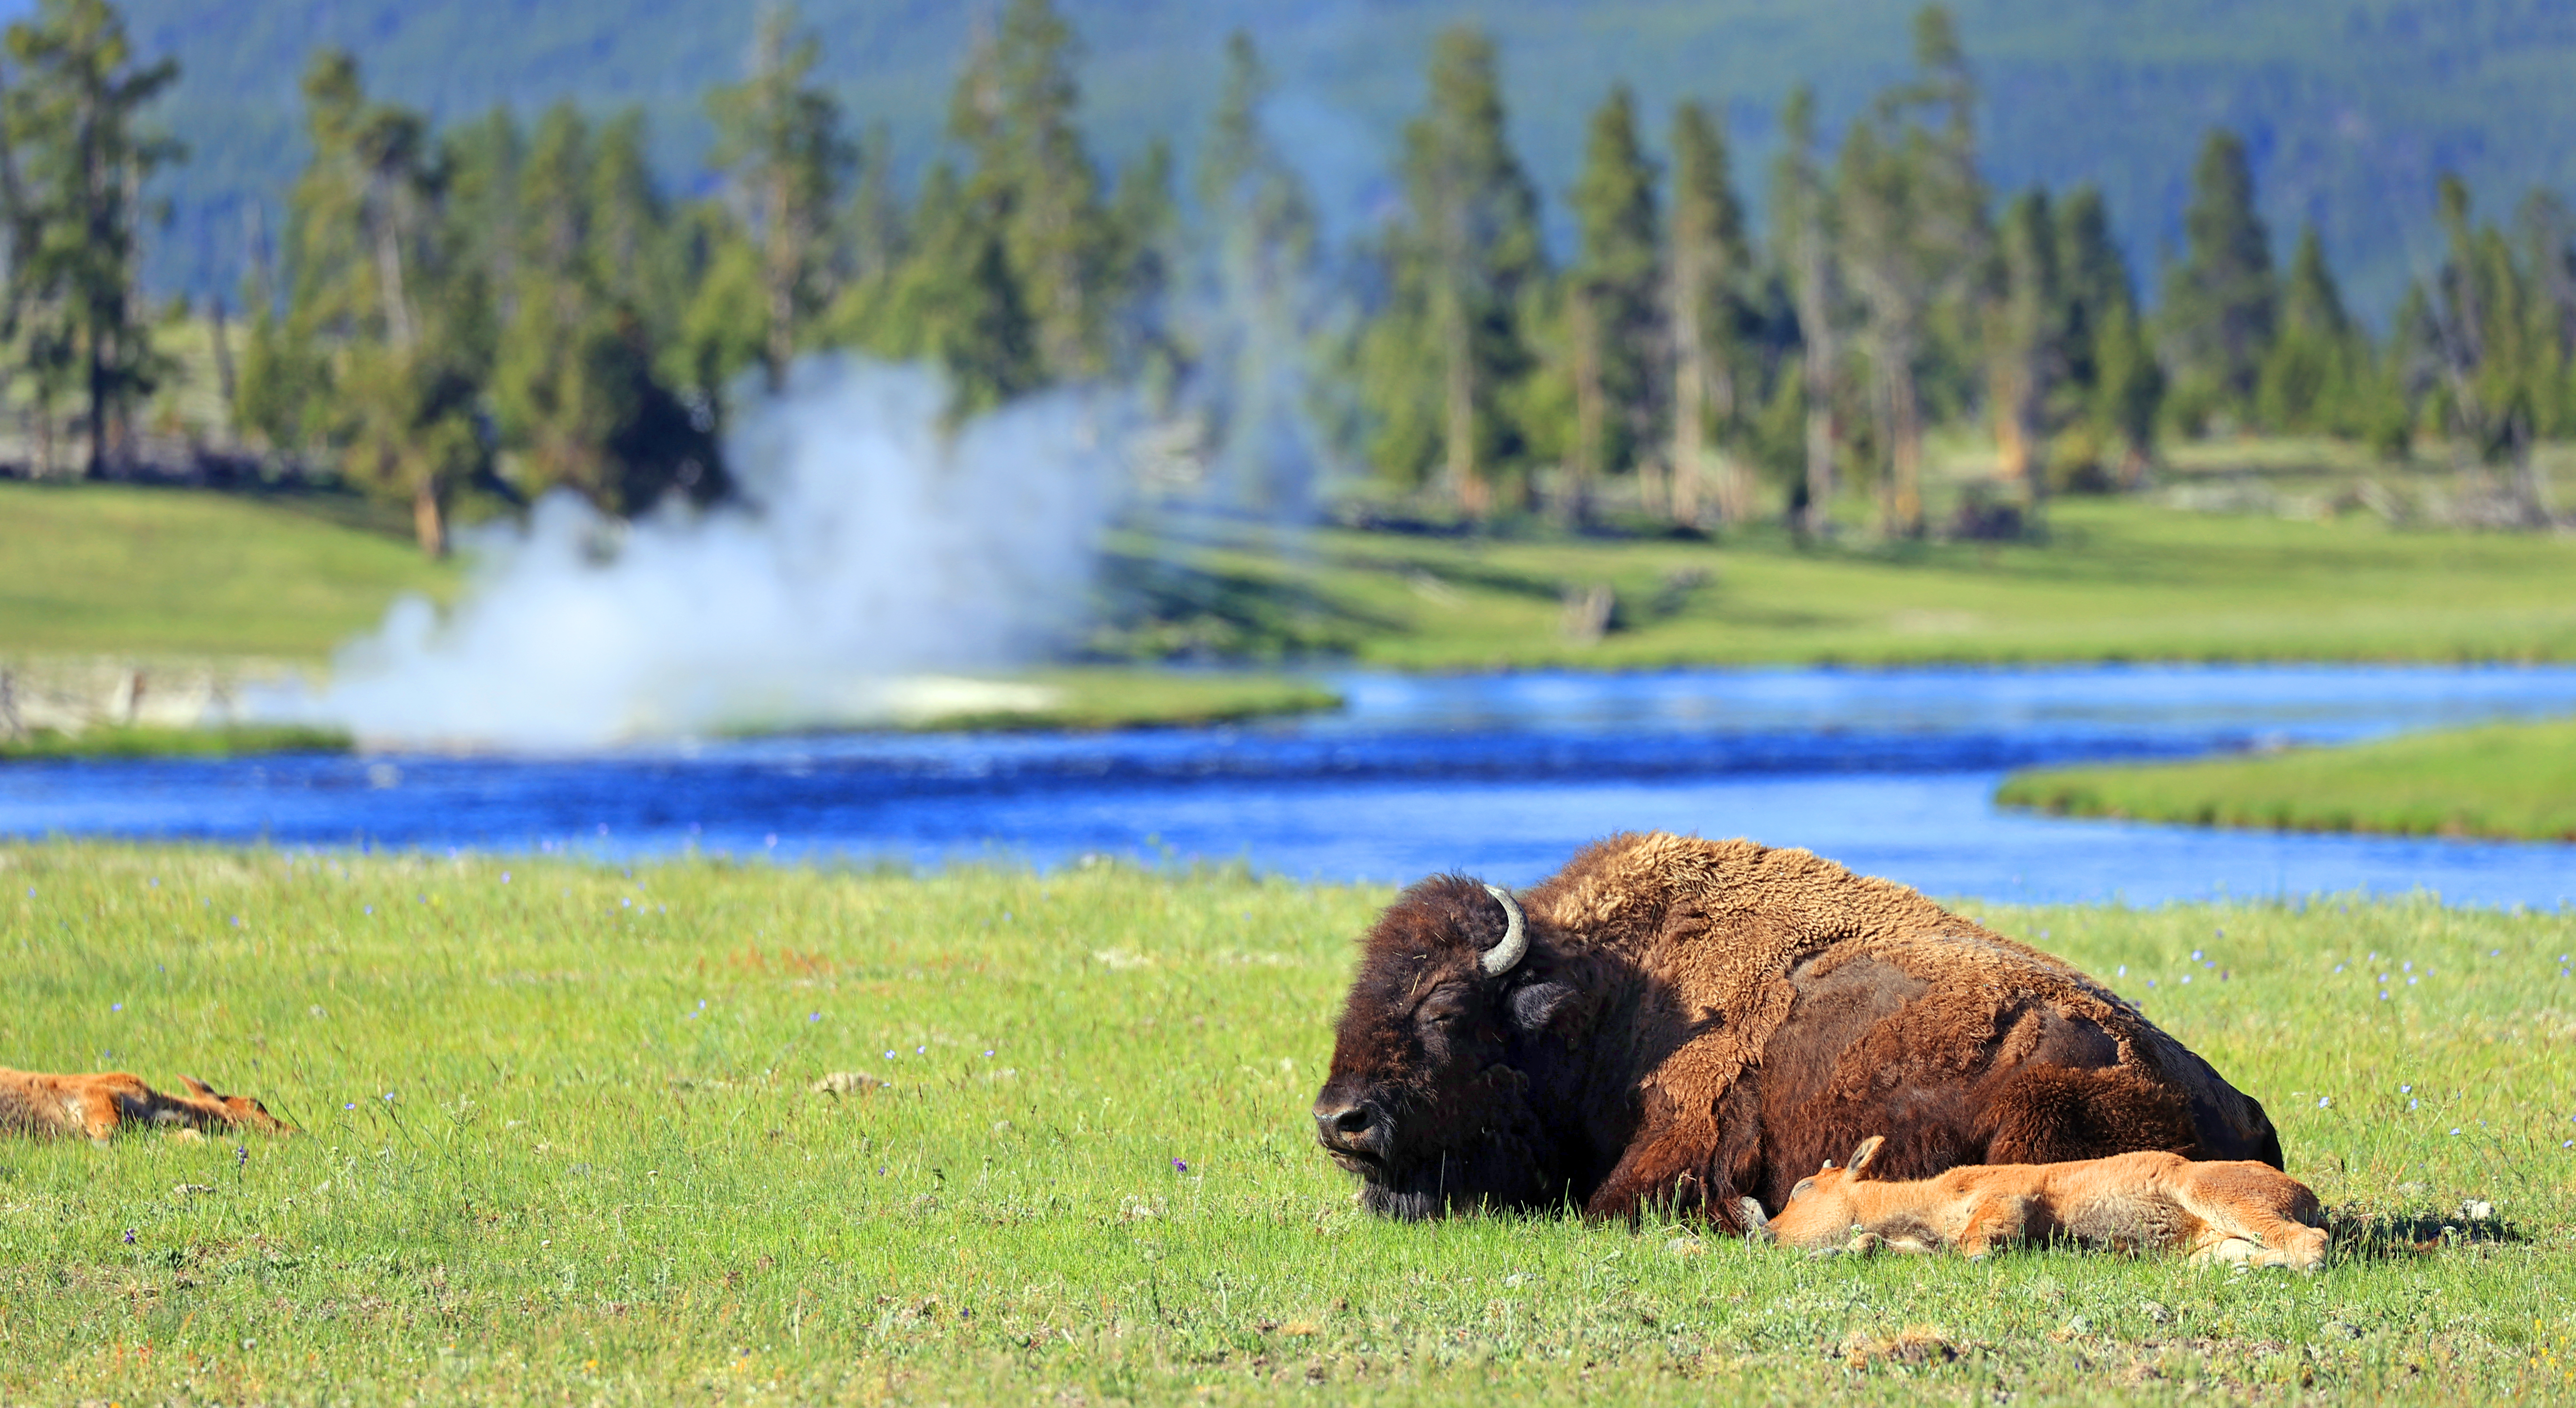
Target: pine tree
2497, 349
1035, 182
1807, 237
1706, 261
2111, 387
1913, 227
75, 164
778, 135
1614, 328
397, 318
2028, 335
1443, 365
1260, 275
2222, 302
2307, 381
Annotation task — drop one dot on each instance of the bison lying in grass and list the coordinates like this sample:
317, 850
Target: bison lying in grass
2242, 1212
1685, 1023
95, 1104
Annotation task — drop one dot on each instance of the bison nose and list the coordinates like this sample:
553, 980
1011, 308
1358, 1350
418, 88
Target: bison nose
1352, 1128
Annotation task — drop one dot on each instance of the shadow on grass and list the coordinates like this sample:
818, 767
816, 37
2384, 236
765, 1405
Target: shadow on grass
2389, 1236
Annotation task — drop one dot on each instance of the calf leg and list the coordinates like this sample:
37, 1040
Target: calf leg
1997, 1220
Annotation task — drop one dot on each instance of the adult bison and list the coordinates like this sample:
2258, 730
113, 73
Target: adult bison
1677, 1022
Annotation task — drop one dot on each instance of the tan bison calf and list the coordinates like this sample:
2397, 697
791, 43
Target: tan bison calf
96, 1103
2248, 1213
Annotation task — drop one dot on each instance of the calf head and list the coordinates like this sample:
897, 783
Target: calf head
1425, 1102
1820, 1211
236, 1109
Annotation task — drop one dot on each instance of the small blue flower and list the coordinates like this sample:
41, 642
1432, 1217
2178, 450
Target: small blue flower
988, 1053
2325, 1102
350, 1106
1181, 1164
2411, 1104
889, 1055
2455, 1131
389, 1097
129, 1236
2405, 1090
920, 1050
116, 1007
815, 1017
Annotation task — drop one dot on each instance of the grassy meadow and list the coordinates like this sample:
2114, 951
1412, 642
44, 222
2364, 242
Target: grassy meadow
2511, 780
562, 1143
101, 570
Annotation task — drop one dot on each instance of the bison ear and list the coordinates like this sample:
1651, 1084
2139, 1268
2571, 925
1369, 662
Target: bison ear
1538, 1004
1867, 1151
1757, 1225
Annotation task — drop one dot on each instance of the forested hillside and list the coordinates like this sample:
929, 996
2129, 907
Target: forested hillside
2349, 110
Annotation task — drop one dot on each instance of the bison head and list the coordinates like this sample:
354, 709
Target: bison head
1437, 1095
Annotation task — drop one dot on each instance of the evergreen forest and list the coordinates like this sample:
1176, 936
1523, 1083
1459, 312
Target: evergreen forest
465, 315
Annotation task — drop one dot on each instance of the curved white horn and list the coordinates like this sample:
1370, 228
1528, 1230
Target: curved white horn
1502, 957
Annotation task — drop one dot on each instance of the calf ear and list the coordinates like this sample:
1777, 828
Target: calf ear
1867, 1151
1538, 1004
198, 1087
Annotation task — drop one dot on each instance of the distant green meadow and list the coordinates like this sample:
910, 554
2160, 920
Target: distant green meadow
563, 1143
2510, 780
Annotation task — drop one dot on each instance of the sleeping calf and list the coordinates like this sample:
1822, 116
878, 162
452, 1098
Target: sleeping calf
2242, 1212
34, 1103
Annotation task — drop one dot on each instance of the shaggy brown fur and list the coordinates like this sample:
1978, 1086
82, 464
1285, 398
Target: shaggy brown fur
1697, 1021
2247, 1213
34, 1103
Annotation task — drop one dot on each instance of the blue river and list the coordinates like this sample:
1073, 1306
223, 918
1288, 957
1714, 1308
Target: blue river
1502, 776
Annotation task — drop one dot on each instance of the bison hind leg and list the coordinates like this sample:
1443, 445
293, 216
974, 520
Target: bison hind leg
2056, 1114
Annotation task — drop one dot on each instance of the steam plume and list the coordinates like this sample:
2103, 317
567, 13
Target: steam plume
876, 544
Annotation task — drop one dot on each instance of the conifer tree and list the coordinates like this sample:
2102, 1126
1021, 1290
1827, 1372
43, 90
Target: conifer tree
1706, 262
2308, 376
2028, 336
2496, 346
2112, 385
1443, 366
75, 160
2221, 303
1913, 227
1614, 327
1260, 268
778, 135
1807, 238
398, 318
1034, 181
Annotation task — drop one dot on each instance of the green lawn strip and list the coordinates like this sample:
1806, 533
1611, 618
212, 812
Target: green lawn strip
114, 570
561, 1145
103, 570
232, 740
2114, 580
2515, 780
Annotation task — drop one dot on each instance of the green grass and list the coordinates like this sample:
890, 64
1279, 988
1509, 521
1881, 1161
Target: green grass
2515, 780
561, 1146
2116, 580
110, 570
232, 740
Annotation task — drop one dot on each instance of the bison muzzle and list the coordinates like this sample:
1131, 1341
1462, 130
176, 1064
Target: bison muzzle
1677, 1023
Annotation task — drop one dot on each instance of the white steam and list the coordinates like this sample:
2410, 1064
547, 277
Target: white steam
877, 544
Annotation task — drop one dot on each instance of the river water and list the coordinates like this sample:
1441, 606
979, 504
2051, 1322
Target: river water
1496, 775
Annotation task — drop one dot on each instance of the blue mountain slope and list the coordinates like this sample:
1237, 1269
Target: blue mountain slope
2350, 108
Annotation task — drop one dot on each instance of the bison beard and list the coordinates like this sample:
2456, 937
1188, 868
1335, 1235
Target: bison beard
1682, 1023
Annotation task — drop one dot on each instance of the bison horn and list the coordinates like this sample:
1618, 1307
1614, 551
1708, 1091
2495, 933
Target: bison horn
1504, 956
